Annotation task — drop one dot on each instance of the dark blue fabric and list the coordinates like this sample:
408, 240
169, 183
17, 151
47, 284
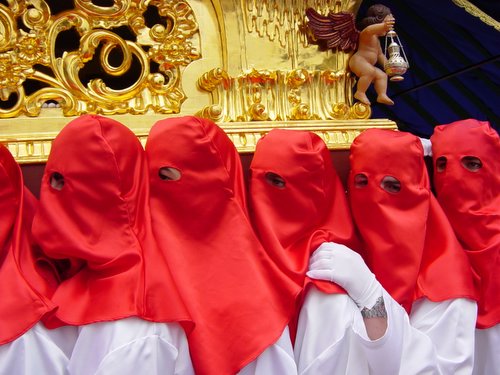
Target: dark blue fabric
454, 65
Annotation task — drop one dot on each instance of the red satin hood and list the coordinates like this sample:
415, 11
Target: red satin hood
471, 200
409, 244
22, 305
100, 222
310, 209
239, 300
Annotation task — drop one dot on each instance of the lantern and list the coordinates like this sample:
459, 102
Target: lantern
397, 63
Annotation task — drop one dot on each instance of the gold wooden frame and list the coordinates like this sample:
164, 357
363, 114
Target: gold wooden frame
245, 64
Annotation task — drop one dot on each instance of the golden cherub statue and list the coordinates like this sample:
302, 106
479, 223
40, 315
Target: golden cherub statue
339, 30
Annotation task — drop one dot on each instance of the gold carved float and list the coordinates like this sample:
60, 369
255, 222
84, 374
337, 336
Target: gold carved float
246, 64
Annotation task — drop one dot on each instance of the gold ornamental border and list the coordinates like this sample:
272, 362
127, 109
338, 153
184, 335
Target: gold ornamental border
30, 147
476, 12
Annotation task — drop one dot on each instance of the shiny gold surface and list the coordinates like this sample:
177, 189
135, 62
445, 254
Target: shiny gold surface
246, 64
296, 94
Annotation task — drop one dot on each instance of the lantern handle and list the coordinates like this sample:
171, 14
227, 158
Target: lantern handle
403, 50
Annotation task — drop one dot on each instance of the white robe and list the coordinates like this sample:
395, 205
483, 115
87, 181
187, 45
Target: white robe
438, 338
487, 355
33, 353
131, 346
450, 327
277, 359
64, 337
331, 337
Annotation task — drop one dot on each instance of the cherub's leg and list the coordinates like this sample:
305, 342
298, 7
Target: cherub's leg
361, 87
380, 85
365, 73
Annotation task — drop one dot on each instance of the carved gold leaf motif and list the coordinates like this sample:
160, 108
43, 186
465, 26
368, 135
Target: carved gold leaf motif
117, 39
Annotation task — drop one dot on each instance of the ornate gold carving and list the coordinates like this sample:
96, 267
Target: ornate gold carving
139, 61
476, 12
35, 147
282, 95
155, 54
283, 21
305, 84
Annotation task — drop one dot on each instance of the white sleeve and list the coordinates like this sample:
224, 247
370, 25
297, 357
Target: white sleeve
384, 355
323, 340
33, 353
487, 359
427, 146
276, 359
450, 325
131, 346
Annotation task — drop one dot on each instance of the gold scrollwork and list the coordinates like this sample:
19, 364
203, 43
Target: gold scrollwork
155, 54
281, 96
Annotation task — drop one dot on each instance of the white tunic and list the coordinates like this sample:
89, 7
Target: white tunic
450, 326
33, 353
276, 359
438, 338
131, 346
487, 357
65, 338
331, 337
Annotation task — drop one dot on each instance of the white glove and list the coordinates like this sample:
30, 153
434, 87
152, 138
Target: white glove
427, 145
339, 264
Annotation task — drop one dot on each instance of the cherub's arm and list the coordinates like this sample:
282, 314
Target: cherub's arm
380, 29
381, 58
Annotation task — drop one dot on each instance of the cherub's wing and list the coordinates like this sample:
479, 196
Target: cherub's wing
337, 29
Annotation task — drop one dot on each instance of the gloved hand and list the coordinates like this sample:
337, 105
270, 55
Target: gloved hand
427, 145
341, 265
